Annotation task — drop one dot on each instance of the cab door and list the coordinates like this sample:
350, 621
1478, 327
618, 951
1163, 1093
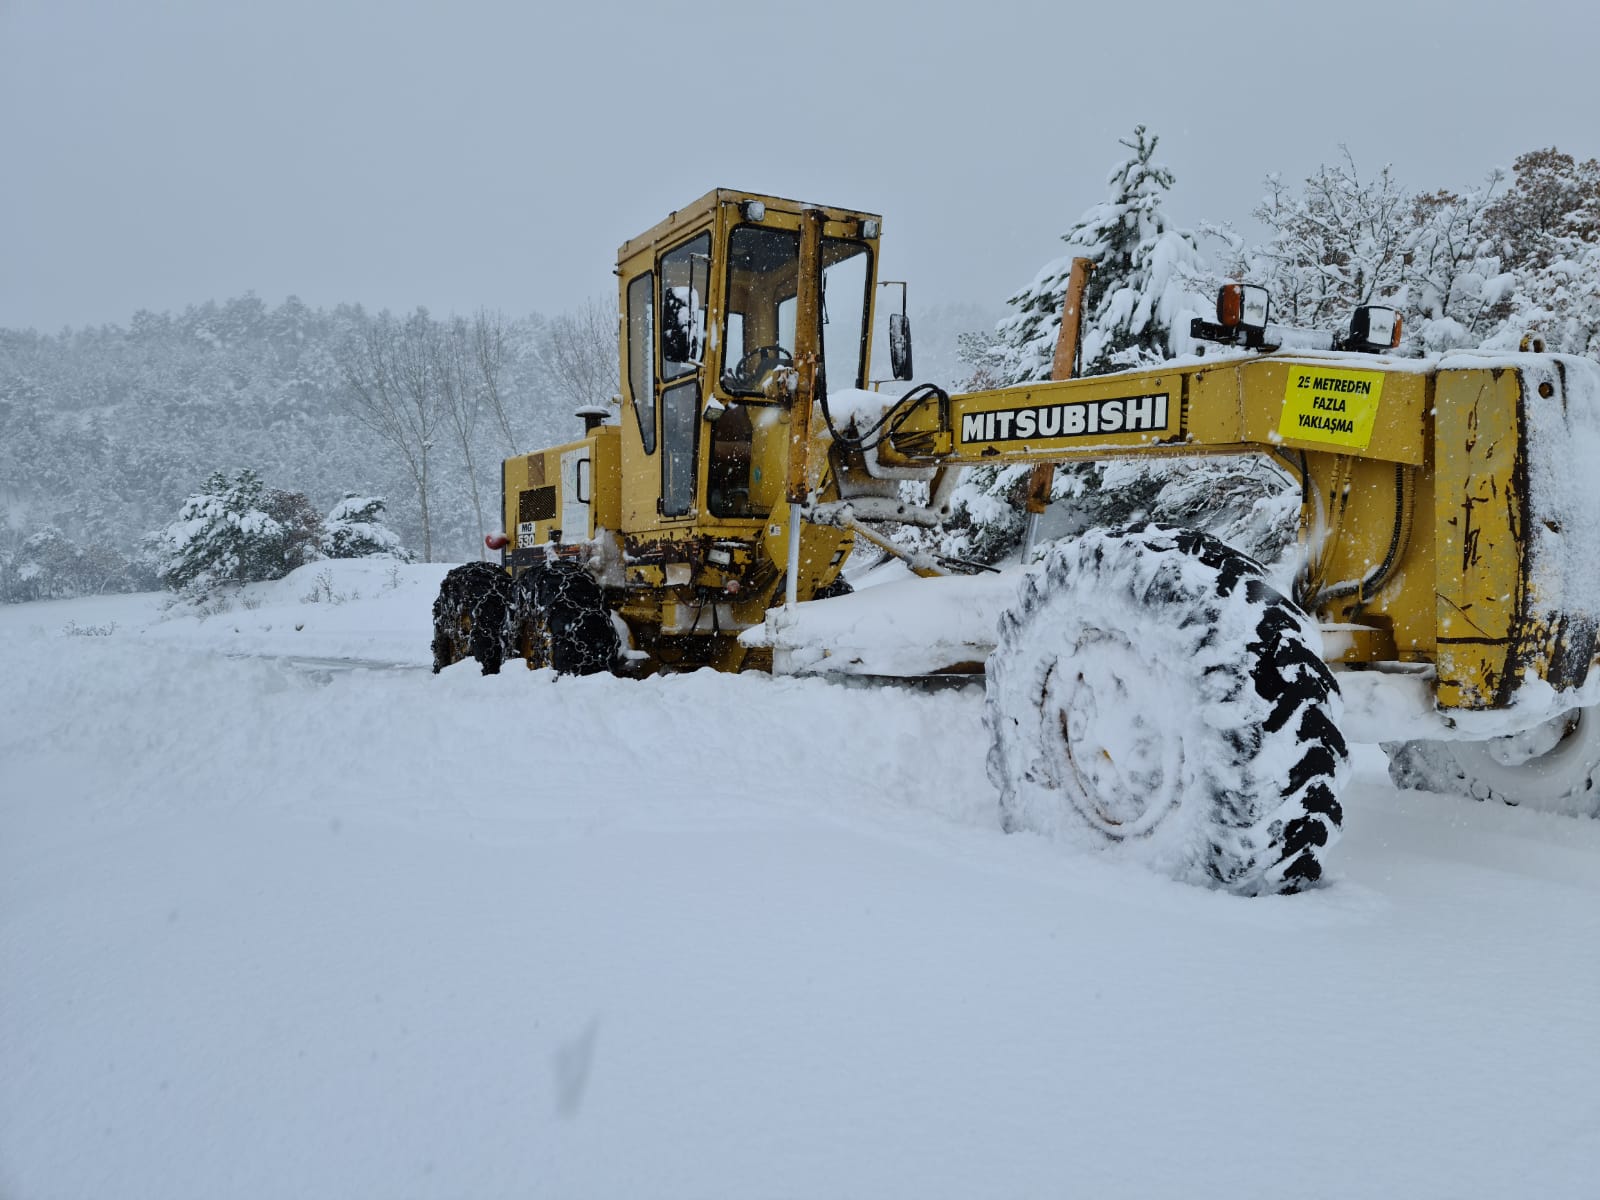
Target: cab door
685, 275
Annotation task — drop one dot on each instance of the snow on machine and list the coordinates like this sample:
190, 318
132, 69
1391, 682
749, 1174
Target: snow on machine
1147, 688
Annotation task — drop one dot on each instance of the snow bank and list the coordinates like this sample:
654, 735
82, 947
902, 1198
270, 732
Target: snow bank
912, 627
347, 611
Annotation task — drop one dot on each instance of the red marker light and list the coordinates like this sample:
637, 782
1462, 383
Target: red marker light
497, 541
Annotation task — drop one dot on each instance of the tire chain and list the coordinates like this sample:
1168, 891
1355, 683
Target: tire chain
553, 614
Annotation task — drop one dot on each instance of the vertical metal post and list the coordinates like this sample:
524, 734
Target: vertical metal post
1039, 480
1065, 363
791, 584
807, 339
1063, 366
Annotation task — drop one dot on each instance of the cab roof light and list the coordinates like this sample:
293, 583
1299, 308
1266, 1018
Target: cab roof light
1242, 311
1243, 306
753, 210
1374, 329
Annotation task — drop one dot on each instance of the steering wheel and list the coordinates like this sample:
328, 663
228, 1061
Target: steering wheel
754, 365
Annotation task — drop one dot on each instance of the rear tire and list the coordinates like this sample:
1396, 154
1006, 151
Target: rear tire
471, 616
563, 621
1552, 768
1153, 696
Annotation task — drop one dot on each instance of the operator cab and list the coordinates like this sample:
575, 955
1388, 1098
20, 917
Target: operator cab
709, 302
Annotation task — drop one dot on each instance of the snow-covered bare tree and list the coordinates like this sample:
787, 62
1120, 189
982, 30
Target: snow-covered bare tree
1456, 293
1336, 242
45, 565
491, 338
301, 524
1553, 196
578, 352
1547, 228
390, 368
462, 396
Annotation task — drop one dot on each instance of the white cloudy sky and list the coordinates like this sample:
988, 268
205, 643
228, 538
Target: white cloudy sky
496, 152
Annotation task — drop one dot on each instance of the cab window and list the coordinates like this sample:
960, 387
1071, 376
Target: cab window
641, 356
763, 270
685, 282
763, 281
846, 283
685, 287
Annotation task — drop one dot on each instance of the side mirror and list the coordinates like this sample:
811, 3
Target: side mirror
680, 315
900, 346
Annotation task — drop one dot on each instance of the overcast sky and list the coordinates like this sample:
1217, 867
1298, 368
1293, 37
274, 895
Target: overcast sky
496, 152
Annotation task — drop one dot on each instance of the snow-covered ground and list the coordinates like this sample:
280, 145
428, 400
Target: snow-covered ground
271, 926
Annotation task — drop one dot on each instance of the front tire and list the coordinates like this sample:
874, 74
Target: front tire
1552, 768
1152, 695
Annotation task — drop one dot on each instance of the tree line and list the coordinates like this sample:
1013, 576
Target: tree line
108, 431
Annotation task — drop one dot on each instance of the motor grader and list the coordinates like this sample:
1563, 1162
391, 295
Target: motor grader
1147, 689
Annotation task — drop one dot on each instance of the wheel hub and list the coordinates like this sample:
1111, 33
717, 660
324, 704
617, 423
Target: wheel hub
1121, 765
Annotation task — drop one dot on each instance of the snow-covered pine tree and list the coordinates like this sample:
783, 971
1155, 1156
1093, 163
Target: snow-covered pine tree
355, 529
1136, 312
1138, 296
224, 534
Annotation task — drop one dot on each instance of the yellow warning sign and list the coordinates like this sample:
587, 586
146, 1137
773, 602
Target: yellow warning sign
1327, 404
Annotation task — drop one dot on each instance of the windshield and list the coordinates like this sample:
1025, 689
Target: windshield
763, 280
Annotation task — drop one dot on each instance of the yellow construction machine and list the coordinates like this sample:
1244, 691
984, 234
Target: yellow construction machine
1148, 689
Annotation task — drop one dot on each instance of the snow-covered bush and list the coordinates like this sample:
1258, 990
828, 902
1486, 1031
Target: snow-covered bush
47, 565
355, 529
1561, 300
301, 524
235, 531
240, 531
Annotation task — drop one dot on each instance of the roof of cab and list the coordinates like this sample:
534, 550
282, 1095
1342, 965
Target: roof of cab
696, 212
